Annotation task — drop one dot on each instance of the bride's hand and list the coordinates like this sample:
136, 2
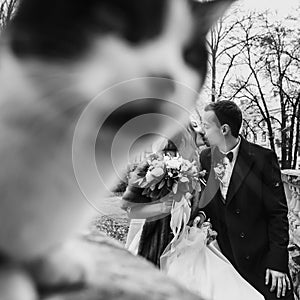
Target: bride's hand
211, 235
166, 206
199, 220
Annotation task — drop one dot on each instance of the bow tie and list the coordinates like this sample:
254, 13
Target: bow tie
229, 155
221, 155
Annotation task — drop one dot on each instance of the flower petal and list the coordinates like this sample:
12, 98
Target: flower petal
175, 187
161, 184
157, 172
184, 179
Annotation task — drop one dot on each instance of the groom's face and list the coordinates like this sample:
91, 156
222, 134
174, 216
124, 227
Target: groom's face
212, 129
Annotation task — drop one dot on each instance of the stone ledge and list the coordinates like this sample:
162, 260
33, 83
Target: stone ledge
291, 176
291, 180
116, 274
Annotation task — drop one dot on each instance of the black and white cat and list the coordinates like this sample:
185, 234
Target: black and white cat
54, 58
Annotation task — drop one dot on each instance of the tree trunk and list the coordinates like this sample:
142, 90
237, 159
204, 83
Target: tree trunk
271, 134
291, 137
283, 141
213, 76
297, 141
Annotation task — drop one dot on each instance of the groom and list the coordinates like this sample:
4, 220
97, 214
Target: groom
245, 201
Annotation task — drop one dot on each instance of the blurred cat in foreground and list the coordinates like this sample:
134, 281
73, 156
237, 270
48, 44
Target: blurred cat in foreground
55, 56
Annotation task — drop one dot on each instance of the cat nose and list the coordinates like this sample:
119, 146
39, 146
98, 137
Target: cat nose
131, 110
195, 55
164, 87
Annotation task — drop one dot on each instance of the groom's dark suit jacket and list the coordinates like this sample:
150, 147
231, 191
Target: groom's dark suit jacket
252, 225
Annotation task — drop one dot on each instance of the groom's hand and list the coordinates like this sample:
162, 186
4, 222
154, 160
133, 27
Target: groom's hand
279, 280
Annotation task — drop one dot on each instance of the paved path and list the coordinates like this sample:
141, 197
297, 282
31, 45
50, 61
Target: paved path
112, 220
110, 206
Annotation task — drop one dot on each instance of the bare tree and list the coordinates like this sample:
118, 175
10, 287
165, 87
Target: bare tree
7, 9
281, 50
223, 49
270, 59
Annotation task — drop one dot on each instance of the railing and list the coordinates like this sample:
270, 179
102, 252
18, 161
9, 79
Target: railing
291, 180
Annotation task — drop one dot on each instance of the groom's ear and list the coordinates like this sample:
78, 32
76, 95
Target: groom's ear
208, 12
225, 129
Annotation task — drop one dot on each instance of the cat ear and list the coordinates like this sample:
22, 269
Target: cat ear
208, 12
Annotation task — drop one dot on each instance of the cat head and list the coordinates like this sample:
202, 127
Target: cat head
132, 58
124, 39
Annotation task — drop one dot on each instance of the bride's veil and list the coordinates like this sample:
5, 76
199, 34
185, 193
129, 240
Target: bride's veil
184, 142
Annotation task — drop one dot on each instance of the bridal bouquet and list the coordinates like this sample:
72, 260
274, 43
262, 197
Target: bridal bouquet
162, 175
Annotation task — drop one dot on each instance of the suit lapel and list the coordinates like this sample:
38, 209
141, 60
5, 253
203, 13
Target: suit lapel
243, 164
212, 184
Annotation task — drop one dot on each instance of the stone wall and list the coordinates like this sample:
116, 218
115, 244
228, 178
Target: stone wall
291, 180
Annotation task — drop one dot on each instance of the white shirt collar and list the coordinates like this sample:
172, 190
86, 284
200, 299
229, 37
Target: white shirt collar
234, 150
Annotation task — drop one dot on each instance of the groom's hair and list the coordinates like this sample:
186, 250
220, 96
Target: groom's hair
227, 112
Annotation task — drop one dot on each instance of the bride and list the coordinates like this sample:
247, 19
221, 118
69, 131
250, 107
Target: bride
150, 219
174, 237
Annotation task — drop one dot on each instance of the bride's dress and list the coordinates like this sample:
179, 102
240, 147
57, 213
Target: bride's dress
134, 235
203, 268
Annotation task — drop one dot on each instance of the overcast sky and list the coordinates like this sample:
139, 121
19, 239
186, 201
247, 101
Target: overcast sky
282, 6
